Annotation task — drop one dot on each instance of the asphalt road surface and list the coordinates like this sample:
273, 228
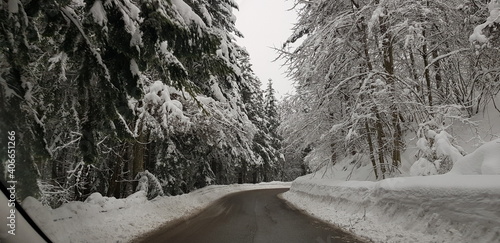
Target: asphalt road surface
257, 216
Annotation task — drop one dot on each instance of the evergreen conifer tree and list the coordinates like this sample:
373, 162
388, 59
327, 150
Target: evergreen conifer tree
100, 91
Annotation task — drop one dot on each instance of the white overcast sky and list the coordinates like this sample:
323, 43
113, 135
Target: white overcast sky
266, 24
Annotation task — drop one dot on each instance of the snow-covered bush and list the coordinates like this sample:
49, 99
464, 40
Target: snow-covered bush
53, 194
149, 184
437, 152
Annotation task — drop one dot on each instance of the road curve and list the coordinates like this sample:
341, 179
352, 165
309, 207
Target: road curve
257, 216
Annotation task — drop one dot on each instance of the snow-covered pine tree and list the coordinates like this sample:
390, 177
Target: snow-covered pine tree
271, 105
266, 143
19, 88
219, 135
101, 90
273, 139
217, 146
252, 97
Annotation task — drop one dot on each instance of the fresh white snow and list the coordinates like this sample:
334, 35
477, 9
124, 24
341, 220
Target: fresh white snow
460, 206
98, 13
494, 17
455, 207
484, 161
444, 208
423, 167
107, 219
13, 6
187, 13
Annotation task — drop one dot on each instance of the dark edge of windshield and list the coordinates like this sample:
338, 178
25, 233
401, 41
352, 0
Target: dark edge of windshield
25, 215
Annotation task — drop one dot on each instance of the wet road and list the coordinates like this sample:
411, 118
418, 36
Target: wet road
257, 216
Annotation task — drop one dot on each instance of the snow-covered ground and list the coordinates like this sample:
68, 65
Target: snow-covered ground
444, 208
460, 206
104, 219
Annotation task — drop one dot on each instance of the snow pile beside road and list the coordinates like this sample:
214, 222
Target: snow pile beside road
485, 160
444, 208
105, 219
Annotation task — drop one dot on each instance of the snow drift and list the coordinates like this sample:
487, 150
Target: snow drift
462, 205
485, 160
444, 208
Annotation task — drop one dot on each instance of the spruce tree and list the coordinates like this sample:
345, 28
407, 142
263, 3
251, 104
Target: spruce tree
266, 147
100, 91
274, 165
271, 108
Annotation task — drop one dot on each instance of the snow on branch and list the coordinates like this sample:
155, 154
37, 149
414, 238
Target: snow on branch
494, 17
69, 13
98, 13
187, 13
445, 56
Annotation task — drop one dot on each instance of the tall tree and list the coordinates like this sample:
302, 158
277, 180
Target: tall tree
99, 91
273, 139
271, 108
363, 70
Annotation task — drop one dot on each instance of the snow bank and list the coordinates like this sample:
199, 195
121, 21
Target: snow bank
107, 219
485, 160
445, 208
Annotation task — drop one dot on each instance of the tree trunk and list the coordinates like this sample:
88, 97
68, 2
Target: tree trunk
425, 57
413, 70
380, 141
388, 55
255, 175
265, 171
243, 172
114, 185
437, 69
138, 156
372, 152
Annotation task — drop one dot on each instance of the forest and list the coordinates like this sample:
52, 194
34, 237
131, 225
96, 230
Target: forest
374, 78
105, 94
